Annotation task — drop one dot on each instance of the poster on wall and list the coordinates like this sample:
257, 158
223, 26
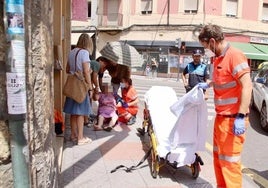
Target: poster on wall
16, 93
15, 16
17, 56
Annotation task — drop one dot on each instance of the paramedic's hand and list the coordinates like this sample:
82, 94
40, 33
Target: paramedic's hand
203, 85
124, 104
239, 126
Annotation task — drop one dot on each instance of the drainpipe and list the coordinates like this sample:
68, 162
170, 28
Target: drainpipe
16, 91
19, 153
168, 12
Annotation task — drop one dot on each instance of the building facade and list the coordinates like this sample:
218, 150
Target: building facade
158, 28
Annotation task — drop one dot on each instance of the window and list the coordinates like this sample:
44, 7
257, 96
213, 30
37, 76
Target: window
89, 9
190, 6
231, 8
146, 6
265, 13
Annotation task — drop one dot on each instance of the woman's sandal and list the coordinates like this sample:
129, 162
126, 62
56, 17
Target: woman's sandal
85, 140
97, 128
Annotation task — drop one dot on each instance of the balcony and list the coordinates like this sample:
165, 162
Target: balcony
111, 20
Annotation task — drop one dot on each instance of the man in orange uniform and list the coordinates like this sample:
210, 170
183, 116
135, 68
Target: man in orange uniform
232, 92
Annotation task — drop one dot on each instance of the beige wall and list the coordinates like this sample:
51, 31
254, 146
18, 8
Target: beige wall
255, 28
62, 38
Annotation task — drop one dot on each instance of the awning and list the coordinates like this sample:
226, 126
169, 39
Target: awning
75, 36
161, 43
250, 51
262, 48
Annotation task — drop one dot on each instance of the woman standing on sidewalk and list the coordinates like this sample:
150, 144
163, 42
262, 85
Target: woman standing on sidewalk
79, 60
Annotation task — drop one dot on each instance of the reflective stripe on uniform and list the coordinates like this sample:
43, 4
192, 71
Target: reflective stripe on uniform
230, 159
240, 67
226, 101
225, 86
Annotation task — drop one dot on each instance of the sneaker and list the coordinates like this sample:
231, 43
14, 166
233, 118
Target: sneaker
131, 121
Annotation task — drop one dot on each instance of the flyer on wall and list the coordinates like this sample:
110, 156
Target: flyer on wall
17, 56
15, 16
16, 93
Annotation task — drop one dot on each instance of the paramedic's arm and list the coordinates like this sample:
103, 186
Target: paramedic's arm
134, 102
246, 83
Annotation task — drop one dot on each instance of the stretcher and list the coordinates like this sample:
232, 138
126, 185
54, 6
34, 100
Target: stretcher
176, 128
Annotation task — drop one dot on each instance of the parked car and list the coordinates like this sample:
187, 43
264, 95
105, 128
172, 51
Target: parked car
259, 99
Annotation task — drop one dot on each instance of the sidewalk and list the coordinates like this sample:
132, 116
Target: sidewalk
90, 165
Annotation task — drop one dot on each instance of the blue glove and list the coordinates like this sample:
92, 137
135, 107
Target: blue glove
124, 104
117, 98
203, 85
239, 126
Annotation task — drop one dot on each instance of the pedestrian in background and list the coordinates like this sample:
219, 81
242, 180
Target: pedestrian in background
232, 93
196, 71
78, 60
147, 70
154, 66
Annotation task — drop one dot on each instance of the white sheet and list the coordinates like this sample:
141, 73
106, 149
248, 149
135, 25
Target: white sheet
179, 124
158, 100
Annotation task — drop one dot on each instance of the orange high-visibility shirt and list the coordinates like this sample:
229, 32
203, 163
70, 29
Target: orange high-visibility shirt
228, 68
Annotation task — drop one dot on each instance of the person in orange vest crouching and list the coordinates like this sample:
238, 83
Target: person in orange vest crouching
232, 93
127, 105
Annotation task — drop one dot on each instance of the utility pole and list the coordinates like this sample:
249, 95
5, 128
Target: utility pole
178, 45
168, 5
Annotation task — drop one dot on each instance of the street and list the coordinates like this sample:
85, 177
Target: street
254, 156
90, 165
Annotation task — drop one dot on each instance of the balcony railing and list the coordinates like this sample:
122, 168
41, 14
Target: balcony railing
110, 20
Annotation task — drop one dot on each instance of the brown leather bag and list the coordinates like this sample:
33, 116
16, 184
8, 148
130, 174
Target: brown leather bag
75, 86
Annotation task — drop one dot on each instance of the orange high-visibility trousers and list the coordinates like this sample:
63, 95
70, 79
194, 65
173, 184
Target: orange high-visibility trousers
227, 149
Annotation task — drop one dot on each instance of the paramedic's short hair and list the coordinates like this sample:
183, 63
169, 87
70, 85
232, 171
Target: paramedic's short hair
211, 31
128, 80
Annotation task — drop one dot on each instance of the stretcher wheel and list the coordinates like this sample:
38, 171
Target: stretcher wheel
155, 165
195, 169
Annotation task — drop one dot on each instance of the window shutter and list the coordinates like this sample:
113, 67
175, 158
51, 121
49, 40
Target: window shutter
190, 4
146, 5
231, 7
265, 12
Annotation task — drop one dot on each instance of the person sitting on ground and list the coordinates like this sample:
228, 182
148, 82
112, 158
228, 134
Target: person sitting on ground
106, 109
127, 106
98, 67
